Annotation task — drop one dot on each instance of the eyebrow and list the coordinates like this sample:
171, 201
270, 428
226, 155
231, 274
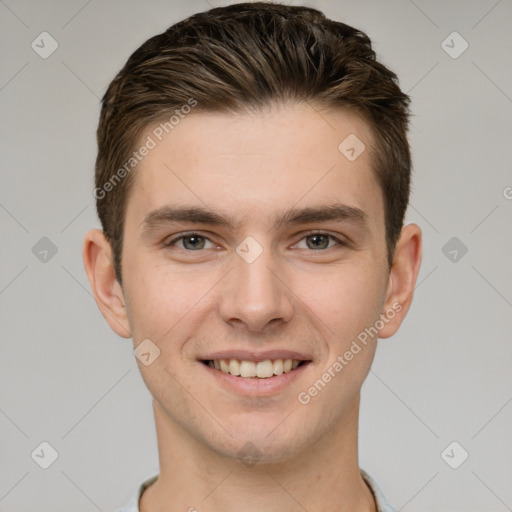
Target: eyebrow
198, 215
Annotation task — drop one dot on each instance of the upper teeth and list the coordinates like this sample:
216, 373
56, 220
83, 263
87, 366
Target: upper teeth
261, 369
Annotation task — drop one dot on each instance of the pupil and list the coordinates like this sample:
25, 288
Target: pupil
316, 237
195, 244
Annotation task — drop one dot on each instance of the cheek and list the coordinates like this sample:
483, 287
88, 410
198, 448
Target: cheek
165, 304
344, 300
348, 309
156, 299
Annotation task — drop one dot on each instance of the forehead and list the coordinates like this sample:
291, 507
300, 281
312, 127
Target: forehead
252, 165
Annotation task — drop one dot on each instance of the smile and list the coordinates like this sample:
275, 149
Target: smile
260, 369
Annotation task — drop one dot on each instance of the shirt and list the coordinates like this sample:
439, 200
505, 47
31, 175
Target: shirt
380, 500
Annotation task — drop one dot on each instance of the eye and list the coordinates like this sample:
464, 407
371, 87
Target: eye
319, 240
190, 242
316, 240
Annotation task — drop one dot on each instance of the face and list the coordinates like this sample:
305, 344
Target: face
252, 244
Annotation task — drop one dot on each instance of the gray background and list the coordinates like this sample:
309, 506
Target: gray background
67, 379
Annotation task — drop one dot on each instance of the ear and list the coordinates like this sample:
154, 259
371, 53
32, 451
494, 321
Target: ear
402, 279
108, 294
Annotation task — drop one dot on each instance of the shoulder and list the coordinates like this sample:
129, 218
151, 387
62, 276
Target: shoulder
380, 500
133, 503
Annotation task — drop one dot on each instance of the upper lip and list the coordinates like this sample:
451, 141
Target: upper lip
248, 355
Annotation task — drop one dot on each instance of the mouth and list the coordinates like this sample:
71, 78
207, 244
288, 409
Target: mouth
246, 368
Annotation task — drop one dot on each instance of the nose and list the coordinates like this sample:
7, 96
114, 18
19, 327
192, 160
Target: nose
254, 294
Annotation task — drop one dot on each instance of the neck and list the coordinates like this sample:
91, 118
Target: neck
324, 477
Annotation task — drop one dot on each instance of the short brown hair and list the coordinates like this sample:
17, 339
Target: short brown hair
242, 57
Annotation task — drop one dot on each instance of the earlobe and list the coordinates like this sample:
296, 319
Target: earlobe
402, 279
108, 294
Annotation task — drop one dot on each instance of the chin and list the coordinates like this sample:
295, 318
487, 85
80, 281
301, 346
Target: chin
262, 443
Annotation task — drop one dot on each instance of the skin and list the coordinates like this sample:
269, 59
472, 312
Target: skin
311, 300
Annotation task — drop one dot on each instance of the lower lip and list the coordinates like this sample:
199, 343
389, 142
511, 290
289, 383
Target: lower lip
254, 386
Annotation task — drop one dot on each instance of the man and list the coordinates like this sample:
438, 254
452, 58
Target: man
252, 179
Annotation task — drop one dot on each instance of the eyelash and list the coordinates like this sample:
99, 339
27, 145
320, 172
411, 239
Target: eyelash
339, 242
